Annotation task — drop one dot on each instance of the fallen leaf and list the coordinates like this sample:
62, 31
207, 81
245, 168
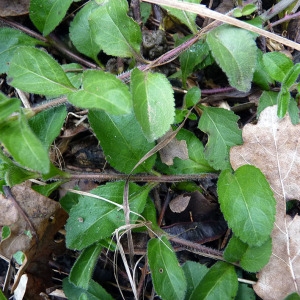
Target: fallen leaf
13, 7
43, 217
179, 203
173, 149
273, 146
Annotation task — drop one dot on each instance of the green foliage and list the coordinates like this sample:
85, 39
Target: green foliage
221, 126
123, 141
234, 50
115, 32
5, 232
153, 103
33, 155
33, 70
247, 203
93, 219
251, 258
190, 58
168, 277
221, 279
82, 271
186, 18
46, 15
8, 106
94, 291
10, 40
127, 120
102, 91
81, 34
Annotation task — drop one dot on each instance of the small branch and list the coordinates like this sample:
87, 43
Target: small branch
276, 9
142, 178
284, 19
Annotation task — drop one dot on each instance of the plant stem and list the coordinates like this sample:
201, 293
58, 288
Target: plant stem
141, 178
284, 19
276, 9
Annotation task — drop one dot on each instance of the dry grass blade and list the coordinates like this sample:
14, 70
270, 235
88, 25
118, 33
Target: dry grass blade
204, 11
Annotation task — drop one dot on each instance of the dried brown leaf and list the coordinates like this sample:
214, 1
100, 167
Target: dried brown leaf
179, 203
46, 217
273, 146
174, 149
14, 7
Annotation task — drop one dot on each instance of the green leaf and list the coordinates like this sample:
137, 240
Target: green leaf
94, 219
8, 106
196, 163
194, 272
48, 123
46, 15
221, 279
283, 100
247, 203
33, 70
245, 292
83, 268
68, 201
47, 189
291, 77
15, 175
74, 72
186, 18
115, 32
122, 141
19, 256
248, 9
81, 34
5, 232
2, 297
102, 91
192, 97
16, 135
167, 276
251, 258
193, 56
293, 111
234, 50
293, 296
94, 292
153, 103
221, 126
10, 40
261, 77
267, 98
277, 65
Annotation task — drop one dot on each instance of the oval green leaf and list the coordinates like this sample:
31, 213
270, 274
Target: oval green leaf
153, 103
34, 71
167, 275
94, 219
247, 203
102, 91
83, 268
46, 15
223, 132
221, 279
24, 146
122, 141
10, 40
115, 32
234, 50
80, 32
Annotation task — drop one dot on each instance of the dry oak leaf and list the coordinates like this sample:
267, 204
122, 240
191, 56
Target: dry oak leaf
273, 145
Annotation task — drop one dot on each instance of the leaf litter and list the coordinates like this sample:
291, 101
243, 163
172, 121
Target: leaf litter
273, 146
